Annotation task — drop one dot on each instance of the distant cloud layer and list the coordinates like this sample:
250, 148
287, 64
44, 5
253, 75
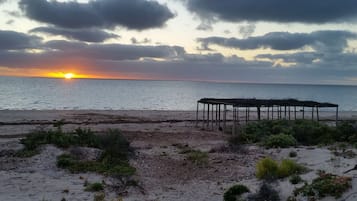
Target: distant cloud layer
88, 35
304, 11
133, 14
11, 40
325, 41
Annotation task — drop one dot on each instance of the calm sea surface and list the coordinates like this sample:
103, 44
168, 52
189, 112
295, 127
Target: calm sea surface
40, 93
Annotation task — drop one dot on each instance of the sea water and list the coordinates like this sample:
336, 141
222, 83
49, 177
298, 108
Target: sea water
78, 94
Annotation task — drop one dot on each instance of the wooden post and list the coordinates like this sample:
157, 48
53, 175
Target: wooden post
285, 112
268, 113
295, 112
219, 115
258, 111
303, 112
317, 114
224, 117
289, 113
248, 113
203, 115
212, 117
234, 121
312, 112
336, 115
237, 115
197, 113
208, 106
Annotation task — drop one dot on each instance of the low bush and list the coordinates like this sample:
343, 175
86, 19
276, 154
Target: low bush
279, 141
292, 154
266, 193
268, 169
79, 137
325, 185
113, 161
305, 132
197, 157
289, 167
295, 179
94, 187
233, 192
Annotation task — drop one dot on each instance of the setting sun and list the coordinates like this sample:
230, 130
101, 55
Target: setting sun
68, 75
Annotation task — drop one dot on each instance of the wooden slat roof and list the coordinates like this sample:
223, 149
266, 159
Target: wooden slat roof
242, 102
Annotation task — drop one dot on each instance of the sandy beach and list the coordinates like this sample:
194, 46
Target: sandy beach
163, 173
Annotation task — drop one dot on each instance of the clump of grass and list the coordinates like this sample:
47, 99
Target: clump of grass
99, 196
113, 161
268, 169
94, 187
279, 141
289, 167
234, 191
266, 193
325, 185
197, 157
292, 154
79, 137
295, 179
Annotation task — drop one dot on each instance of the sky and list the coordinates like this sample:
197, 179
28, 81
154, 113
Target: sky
254, 41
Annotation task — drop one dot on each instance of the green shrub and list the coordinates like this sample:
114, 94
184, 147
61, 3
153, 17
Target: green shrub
99, 197
305, 132
281, 140
234, 191
347, 132
94, 187
289, 167
295, 179
267, 169
325, 185
79, 137
197, 157
266, 193
292, 154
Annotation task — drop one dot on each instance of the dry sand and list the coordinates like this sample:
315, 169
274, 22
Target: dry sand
163, 173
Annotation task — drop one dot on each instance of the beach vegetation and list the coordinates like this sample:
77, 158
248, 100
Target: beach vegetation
295, 179
292, 154
94, 187
113, 160
99, 196
269, 169
197, 157
325, 185
78, 137
279, 141
305, 132
266, 193
235, 191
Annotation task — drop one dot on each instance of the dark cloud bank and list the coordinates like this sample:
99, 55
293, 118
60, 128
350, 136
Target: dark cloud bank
304, 11
313, 67
331, 41
88, 35
132, 14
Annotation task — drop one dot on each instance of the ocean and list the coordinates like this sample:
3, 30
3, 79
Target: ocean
78, 94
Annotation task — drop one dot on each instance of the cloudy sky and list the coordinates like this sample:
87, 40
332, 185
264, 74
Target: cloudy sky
270, 41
